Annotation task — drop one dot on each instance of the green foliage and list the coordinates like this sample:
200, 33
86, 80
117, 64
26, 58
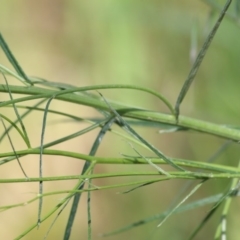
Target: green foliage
34, 96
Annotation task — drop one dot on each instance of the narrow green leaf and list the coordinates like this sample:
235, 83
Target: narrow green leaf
40, 160
76, 199
30, 109
183, 208
223, 198
233, 190
17, 114
199, 59
14, 126
12, 146
9, 72
171, 211
130, 130
150, 162
12, 59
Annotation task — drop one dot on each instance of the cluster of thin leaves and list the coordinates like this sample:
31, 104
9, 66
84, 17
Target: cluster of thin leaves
124, 117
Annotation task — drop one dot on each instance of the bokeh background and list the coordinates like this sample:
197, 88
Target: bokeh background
147, 43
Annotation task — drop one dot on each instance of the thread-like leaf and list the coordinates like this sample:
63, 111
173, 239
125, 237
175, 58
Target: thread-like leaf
187, 207
199, 59
76, 199
40, 160
12, 59
124, 124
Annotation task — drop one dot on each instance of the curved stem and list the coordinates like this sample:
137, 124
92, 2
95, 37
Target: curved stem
135, 113
126, 160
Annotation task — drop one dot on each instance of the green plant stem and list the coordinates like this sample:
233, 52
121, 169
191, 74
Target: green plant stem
136, 113
113, 186
77, 197
174, 175
126, 160
46, 92
66, 199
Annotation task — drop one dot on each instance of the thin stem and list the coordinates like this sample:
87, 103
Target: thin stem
126, 160
222, 131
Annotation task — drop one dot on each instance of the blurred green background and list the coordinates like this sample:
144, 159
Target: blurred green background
146, 43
